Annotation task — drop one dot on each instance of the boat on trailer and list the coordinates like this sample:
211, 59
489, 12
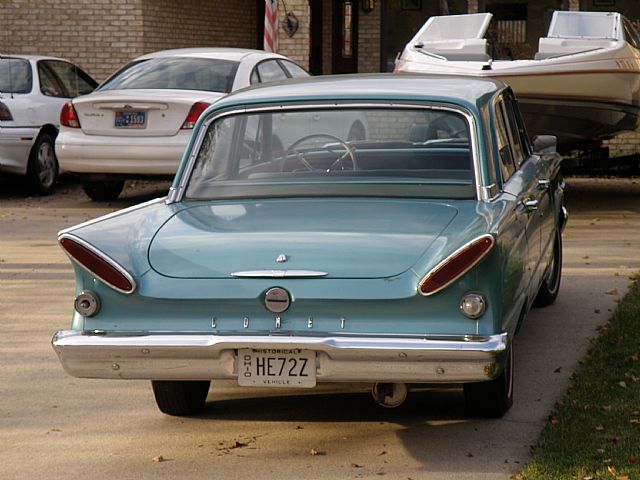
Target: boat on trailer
583, 85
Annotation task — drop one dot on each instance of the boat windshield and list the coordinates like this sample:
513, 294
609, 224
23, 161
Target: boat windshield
336, 151
584, 25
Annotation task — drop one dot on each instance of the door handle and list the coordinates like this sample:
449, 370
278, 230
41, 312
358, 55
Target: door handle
544, 184
530, 205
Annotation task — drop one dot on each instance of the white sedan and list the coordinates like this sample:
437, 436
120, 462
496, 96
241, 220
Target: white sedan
33, 89
139, 121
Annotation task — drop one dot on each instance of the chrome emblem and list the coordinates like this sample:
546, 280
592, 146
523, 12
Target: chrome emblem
277, 300
282, 258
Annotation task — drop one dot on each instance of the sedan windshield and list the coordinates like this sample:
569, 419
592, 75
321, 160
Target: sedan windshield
176, 73
369, 151
15, 75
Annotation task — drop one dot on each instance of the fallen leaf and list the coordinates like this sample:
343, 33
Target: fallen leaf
557, 370
314, 452
612, 471
158, 459
238, 444
599, 428
613, 291
634, 421
597, 310
384, 452
623, 384
356, 465
633, 460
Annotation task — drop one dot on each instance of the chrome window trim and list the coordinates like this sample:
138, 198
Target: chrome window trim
177, 194
105, 257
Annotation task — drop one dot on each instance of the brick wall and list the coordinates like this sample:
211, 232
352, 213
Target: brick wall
297, 46
369, 34
196, 23
98, 35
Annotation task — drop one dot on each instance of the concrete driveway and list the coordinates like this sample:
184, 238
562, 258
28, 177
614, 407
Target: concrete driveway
54, 426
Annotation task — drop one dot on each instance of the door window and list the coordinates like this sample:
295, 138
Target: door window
50, 85
507, 165
270, 71
296, 71
74, 80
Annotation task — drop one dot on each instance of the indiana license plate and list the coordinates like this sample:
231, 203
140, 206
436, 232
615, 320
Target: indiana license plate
276, 367
131, 120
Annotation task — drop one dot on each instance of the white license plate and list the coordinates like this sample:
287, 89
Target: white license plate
131, 120
276, 367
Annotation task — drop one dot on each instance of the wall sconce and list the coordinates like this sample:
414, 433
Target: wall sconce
368, 5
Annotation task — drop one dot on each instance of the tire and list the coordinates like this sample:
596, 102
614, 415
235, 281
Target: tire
42, 169
493, 398
180, 398
550, 286
103, 190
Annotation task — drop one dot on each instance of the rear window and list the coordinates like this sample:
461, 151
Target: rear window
175, 73
15, 75
353, 151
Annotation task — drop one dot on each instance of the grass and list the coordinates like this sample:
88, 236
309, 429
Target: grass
594, 432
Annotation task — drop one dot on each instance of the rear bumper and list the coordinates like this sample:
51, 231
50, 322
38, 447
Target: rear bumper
80, 153
15, 147
338, 359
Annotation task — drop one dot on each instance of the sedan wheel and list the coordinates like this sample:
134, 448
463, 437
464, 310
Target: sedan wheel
42, 170
495, 397
103, 190
180, 398
551, 284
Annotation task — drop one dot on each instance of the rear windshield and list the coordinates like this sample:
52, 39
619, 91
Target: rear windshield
15, 75
176, 73
370, 151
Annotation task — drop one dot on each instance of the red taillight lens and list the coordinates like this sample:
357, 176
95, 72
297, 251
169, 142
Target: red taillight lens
5, 114
98, 264
194, 114
69, 117
456, 265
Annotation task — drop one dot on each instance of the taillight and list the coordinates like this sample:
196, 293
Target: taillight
194, 114
98, 264
456, 265
69, 117
5, 114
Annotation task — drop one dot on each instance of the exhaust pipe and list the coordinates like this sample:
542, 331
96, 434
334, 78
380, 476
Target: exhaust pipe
389, 395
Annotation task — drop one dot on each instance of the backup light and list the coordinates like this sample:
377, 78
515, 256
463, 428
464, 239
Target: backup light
473, 305
194, 114
456, 265
97, 263
69, 117
87, 304
5, 114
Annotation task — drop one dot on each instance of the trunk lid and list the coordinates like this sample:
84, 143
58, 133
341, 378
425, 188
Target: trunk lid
139, 113
344, 238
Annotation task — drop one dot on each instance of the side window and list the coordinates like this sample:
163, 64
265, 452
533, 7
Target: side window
50, 85
295, 70
255, 78
507, 165
270, 71
519, 142
75, 81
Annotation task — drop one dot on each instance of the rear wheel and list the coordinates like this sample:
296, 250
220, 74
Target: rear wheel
180, 398
42, 169
495, 397
551, 284
103, 190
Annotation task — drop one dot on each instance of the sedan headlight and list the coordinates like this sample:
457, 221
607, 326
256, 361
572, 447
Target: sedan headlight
473, 305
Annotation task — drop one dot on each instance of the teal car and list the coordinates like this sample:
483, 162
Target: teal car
408, 255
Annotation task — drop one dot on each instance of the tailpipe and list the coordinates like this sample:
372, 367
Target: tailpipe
389, 395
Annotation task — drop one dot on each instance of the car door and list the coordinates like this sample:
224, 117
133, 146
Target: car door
520, 179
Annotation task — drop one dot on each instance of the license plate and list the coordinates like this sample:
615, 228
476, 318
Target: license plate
276, 367
131, 119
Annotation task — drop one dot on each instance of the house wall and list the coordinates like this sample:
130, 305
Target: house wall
97, 35
295, 47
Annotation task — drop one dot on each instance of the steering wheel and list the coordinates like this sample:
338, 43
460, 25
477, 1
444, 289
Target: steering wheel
339, 162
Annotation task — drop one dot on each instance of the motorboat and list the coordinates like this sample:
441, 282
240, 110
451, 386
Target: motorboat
583, 85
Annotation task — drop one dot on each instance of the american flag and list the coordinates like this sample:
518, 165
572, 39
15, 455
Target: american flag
271, 26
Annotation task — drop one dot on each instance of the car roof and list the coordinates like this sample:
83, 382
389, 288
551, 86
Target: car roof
224, 53
33, 57
470, 92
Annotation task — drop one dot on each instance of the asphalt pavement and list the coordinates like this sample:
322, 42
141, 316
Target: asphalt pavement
53, 426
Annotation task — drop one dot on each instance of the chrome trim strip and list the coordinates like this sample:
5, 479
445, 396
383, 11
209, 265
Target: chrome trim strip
279, 274
446, 260
564, 219
481, 194
105, 257
111, 215
342, 359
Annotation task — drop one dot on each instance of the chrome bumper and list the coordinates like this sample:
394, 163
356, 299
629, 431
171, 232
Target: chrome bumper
338, 359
